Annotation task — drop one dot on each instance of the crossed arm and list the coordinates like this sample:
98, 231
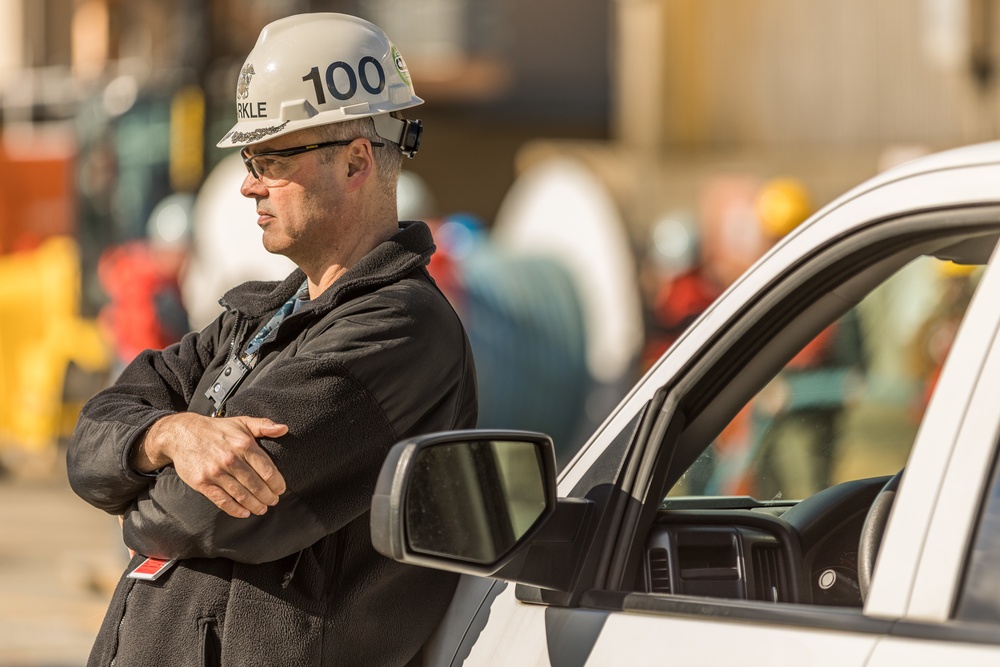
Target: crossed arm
219, 458
243, 487
228, 467
297, 460
140, 426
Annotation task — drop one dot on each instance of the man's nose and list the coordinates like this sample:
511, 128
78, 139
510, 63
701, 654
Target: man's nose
252, 187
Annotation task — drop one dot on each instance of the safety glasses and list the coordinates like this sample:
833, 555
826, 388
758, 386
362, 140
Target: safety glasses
275, 168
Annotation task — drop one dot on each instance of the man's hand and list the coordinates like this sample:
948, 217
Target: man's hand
217, 457
121, 524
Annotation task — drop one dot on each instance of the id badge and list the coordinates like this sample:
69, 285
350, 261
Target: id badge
151, 569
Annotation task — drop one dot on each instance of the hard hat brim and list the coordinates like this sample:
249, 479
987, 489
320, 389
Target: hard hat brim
246, 132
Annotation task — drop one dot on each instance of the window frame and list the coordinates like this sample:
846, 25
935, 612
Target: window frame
953, 511
990, 490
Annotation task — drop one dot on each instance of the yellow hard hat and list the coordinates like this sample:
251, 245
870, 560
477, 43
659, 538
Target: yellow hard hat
949, 269
782, 205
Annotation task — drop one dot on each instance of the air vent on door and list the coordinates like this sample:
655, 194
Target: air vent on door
659, 571
768, 573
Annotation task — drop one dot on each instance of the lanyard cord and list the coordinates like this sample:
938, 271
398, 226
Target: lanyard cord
239, 366
270, 330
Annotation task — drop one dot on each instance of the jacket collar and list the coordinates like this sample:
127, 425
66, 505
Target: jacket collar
409, 249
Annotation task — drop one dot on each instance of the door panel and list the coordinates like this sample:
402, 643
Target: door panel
514, 634
649, 640
523, 634
922, 653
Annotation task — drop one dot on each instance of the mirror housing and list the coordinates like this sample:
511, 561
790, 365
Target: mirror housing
478, 502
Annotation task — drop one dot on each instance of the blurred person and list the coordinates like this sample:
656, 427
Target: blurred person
142, 280
414, 199
935, 335
458, 236
732, 237
676, 288
729, 240
246, 455
726, 237
792, 427
693, 258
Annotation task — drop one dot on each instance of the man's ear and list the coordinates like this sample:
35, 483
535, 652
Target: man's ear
360, 163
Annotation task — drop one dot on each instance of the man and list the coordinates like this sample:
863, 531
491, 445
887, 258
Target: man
249, 451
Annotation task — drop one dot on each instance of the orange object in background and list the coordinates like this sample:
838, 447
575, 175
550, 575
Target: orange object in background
36, 192
43, 340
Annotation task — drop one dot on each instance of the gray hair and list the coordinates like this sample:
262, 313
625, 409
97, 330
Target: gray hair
388, 158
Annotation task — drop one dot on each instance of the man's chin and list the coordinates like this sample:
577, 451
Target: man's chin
273, 245
281, 249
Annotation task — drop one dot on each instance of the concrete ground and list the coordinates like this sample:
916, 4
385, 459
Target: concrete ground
59, 562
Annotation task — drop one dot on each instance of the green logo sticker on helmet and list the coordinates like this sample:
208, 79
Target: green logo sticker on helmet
400, 64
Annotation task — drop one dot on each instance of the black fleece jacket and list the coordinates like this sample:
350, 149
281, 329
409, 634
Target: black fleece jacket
380, 356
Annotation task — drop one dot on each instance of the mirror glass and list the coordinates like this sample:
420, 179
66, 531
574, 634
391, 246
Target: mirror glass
473, 500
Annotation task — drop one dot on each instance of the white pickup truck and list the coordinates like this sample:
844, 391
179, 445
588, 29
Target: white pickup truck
809, 476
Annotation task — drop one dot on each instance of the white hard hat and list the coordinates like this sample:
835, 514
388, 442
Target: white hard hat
414, 199
170, 221
314, 69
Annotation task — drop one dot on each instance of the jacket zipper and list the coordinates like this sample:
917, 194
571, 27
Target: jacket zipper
239, 328
236, 334
332, 574
287, 579
121, 622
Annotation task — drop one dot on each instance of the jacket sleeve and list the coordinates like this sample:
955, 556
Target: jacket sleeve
339, 434
155, 384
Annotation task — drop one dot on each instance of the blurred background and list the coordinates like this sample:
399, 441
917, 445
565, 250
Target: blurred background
595, 172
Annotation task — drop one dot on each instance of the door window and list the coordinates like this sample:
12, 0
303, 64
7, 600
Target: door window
848, 405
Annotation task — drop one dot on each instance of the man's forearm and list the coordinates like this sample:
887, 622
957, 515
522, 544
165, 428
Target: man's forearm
98, 467
171, 520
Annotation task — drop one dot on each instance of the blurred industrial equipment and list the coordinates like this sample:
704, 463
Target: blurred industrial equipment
47, 350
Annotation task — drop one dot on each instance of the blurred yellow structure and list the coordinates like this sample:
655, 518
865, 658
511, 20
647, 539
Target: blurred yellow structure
42, 336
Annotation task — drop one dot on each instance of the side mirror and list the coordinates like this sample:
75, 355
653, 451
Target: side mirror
472, 501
